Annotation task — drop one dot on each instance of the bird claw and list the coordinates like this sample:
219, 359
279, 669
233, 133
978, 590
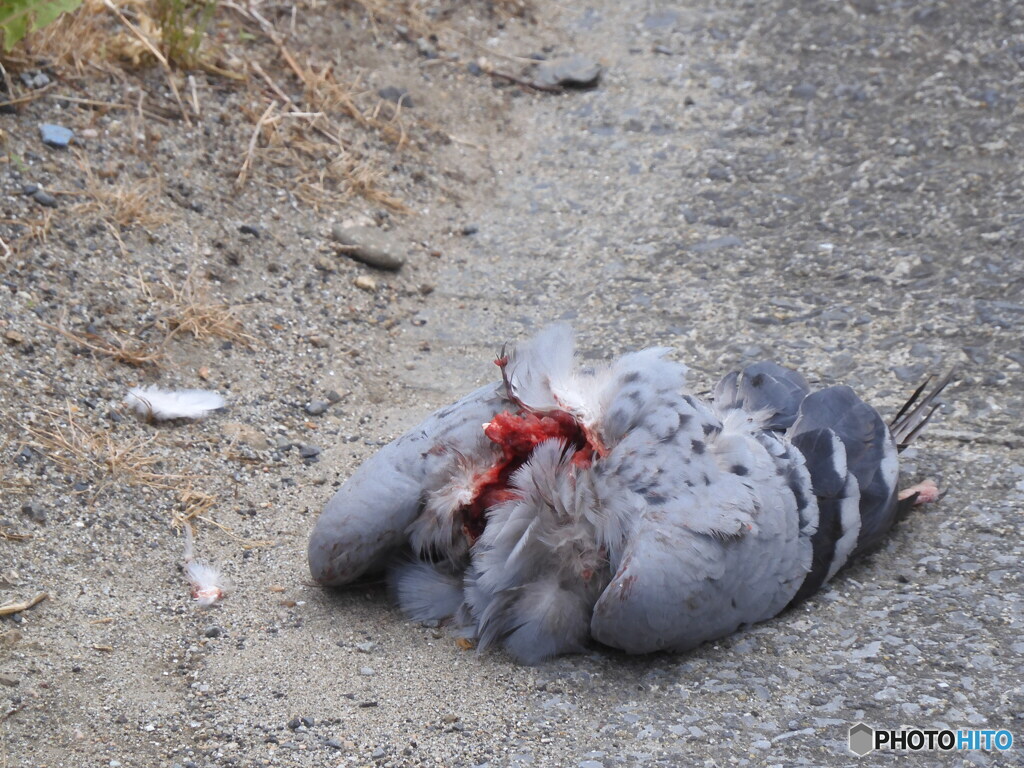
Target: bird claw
925, 492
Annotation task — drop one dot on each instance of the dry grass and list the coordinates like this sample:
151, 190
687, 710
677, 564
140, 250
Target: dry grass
76, 42
187, 308
121, 206
306, 137
139, 354
101, 454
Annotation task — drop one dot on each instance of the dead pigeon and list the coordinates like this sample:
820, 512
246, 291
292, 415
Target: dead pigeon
566, 504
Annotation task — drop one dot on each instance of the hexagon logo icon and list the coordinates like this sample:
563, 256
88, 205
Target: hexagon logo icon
862, 739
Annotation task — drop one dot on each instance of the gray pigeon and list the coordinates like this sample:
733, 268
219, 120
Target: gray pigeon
565, 504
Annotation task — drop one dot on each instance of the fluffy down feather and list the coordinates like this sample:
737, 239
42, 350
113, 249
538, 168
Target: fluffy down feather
155, 404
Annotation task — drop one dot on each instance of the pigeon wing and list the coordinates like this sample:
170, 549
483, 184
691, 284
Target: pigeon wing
366, 522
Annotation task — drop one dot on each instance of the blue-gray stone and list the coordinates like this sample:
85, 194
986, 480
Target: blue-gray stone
55, 135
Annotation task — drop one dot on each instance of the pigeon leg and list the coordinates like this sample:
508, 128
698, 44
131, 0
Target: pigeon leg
925, 492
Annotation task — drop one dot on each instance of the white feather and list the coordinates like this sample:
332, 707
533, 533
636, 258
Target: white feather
161, 404
208, 585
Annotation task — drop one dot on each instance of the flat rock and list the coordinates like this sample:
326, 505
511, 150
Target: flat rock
369, 245
55, 135
574, 71
246, 434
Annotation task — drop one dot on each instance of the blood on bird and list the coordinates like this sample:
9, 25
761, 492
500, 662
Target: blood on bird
517, 434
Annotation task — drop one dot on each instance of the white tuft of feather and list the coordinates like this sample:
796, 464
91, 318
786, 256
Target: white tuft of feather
161, 404
208, 585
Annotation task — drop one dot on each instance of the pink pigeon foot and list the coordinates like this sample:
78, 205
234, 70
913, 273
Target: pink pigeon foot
927, 492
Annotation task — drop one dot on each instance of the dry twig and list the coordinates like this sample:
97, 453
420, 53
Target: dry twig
17, 606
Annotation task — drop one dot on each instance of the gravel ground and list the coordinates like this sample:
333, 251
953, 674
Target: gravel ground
835, 185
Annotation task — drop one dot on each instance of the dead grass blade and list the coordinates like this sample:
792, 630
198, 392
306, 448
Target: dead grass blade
11, 536
188, 308
138, 355
17, 606
101, 454
124, 205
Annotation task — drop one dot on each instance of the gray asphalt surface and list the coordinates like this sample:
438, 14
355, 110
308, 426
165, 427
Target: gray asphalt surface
834, 185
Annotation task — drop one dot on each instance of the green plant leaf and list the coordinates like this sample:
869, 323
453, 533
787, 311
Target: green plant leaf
19, 17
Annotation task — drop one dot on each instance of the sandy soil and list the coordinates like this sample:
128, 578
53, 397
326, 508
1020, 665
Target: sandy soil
834, 185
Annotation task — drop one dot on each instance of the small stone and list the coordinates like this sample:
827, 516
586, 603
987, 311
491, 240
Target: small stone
13, 337
365, 283
317, 407
470, 229
663, 19
333, 397
366, 671
365, 647
294, 723
9, 680
249, 229
369, 245
378, 753
282, 444
309, 451
44, 198
309, 722
35, 512
804, 91
426, 48
333, 744
367, 704
246, 434
55, 135
396, 96
35, 80
717, 243
574, 71
213, 631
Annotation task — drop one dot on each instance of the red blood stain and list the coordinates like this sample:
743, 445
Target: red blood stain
517, 434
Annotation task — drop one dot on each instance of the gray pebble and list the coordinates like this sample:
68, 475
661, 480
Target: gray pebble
804, 91
365, 647
366, 671
378, 753
44, 198
369, 245
574, 71
35, 80
333, 397
426, 49
9, 680
213, 631
663, 19
309, 451
317, 407
282, 444
396, 95
35, 512
909, 373
55, 135
729, 241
